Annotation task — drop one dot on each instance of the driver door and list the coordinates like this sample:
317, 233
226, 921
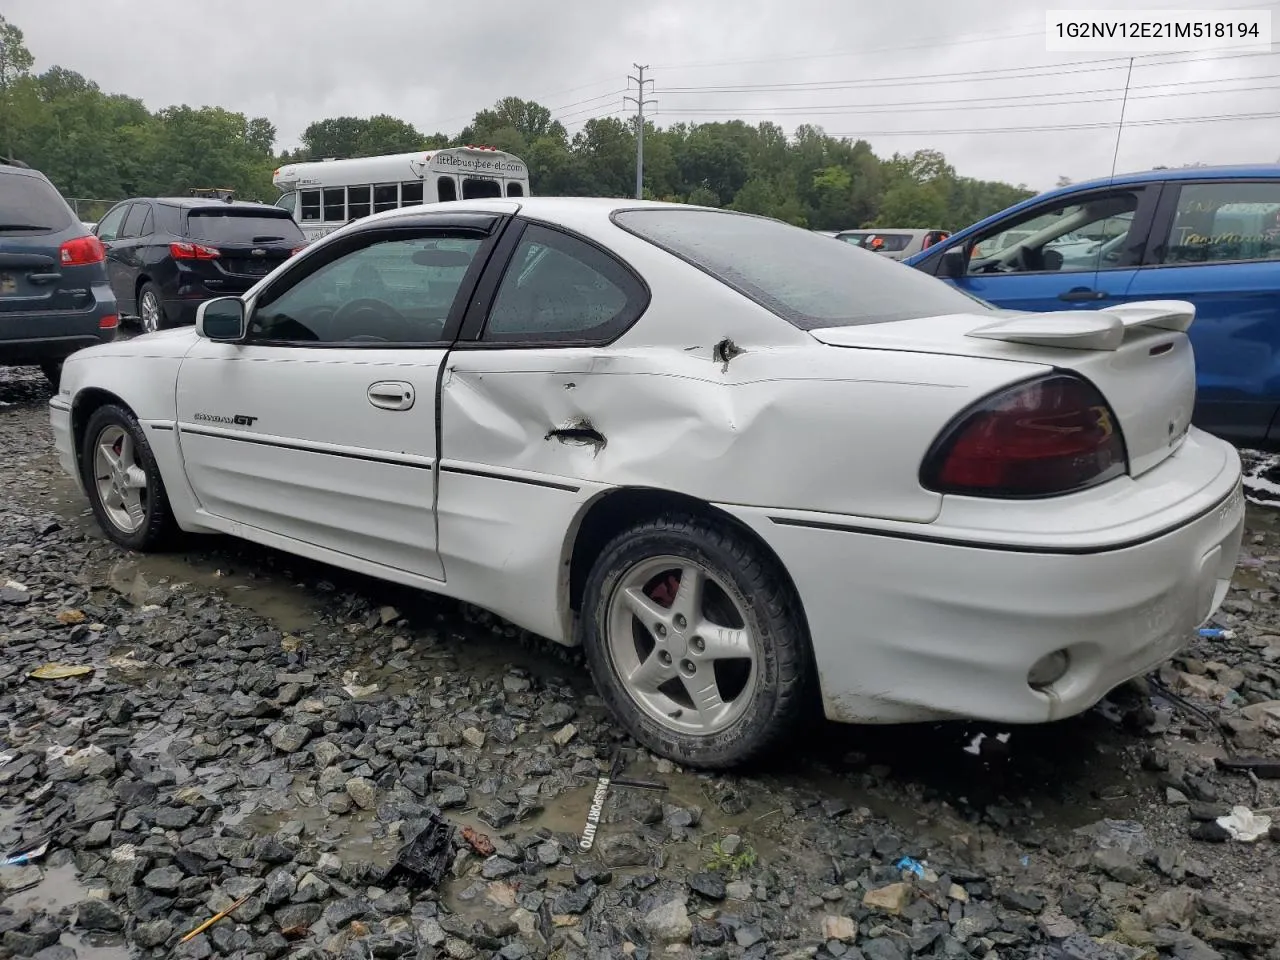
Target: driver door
1046, 266
321, 426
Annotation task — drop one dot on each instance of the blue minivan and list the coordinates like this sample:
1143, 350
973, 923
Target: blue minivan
1209, 235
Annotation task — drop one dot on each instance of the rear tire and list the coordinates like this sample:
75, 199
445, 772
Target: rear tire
712, 676
52, 370
123, 481
151, 315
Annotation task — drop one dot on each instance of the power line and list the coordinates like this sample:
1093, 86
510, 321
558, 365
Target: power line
946, 106
1052, 128
603, 96
973, 76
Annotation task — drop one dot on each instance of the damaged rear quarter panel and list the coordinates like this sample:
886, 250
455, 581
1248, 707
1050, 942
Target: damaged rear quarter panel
805, 427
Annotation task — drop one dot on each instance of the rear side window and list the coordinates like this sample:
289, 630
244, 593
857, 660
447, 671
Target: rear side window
31, 205
233, 226
474, 188
801, 276
1222, 222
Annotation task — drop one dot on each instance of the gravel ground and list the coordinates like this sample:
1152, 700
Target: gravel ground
263, 731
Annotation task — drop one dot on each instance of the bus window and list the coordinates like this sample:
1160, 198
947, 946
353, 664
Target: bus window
358, 202
310, 206
447, 189
515, 190
473, 189
386, 196
411, 194
335, 204
289, 202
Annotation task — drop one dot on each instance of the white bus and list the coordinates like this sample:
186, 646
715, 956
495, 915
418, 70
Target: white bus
322, 195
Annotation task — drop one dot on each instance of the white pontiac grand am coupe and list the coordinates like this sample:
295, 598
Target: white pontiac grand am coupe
751, 470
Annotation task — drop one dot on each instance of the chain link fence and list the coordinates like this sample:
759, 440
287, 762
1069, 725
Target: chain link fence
89, 209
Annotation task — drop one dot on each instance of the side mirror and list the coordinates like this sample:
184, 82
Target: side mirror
954, 263
222, 320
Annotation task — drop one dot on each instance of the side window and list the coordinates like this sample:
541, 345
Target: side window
289, 202
309, 200
1073, 238
559, 288
109, 226
1222, 222
392, 291
134, 221
335, 204
386, 196
411, 194
446, 189
358, 202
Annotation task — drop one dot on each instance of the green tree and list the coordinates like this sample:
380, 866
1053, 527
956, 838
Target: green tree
15, 66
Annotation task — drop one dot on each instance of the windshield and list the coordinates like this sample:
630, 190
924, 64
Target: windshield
235, 226
799, 275
30, 204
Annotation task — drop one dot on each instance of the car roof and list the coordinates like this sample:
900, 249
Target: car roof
567, 210
189, 202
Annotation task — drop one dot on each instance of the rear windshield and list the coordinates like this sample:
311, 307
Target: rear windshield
234, 226
31, 205
893, 242
801, 276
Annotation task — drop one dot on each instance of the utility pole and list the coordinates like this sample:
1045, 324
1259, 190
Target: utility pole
640, 103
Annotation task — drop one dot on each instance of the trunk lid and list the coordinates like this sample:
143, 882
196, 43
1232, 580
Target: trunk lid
1137, 355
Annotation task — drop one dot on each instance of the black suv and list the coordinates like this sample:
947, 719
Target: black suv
166, 256
54, 295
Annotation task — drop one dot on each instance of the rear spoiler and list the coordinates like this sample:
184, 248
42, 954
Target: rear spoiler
1089, 329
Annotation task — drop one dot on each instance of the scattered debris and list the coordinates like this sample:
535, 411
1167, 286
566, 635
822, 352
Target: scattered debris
60, 671
479, 842
214, 919
1243, 824
19, 859
355, 690
424, 860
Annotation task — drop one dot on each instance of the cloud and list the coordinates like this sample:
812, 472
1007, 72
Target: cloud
878, 70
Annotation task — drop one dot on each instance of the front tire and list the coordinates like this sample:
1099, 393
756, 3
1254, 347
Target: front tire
696, 641
123, 480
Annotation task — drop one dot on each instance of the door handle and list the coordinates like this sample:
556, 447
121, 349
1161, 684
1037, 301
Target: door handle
44, 277
1082, 293
392, 395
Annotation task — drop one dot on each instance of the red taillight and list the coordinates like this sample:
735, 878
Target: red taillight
1052, 435
82, 251
109, 322
192, 251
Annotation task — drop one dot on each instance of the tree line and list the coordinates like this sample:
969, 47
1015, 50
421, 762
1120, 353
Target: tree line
107, 146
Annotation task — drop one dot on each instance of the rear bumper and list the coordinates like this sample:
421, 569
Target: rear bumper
32, 338
934, 624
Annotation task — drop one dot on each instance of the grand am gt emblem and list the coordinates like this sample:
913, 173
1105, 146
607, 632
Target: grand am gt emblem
239, 419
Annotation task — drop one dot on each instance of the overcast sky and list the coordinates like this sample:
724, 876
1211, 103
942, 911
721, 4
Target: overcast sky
435, 64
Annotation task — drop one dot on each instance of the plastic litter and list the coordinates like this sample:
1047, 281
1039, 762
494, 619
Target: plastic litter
1215, 633
424, 860
915, 866
35, 853
1245, 825
354, 689
60, 671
